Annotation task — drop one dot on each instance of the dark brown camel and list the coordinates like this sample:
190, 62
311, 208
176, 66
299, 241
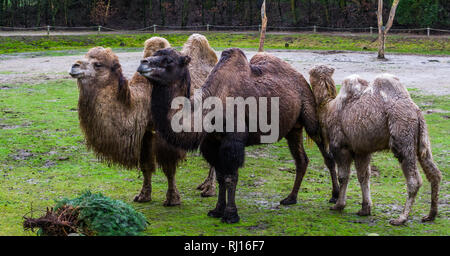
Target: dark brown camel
233, 76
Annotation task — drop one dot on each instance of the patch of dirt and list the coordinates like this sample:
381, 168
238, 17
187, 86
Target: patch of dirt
431, 111
22, 154
429, 74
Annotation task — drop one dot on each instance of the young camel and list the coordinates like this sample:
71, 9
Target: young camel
233, 76
115, 114
363, 119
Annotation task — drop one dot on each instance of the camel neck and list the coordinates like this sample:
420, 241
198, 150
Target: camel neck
162, 114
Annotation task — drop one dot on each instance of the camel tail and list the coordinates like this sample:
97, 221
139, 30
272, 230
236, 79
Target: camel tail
263, 27
433, 174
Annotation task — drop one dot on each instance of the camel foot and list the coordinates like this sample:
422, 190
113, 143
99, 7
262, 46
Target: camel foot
172, 199
144, 196
208, 190
230, 216
337, 207
289, 200
364, 212
429, 217
216, 213
398, 222
333, 199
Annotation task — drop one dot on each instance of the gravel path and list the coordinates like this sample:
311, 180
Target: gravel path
431, 74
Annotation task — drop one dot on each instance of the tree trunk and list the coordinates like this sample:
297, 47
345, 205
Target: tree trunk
381, 45
383, 30
263, 27
294, 15
280, 12
203, 12
162, 12
184, 12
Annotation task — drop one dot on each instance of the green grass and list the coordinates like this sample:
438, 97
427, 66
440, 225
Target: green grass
43, 158
59, 45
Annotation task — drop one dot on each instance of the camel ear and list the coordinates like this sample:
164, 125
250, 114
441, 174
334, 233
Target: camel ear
115, 67
185, 60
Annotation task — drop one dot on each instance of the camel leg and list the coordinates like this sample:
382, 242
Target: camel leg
330, 163
413, 182
295, 142
231, 158
146, 191
147, 166
172, 195
208, 187
221, 199
314, 133
230, 214
210, 151
363, 171
344, 160
433, 175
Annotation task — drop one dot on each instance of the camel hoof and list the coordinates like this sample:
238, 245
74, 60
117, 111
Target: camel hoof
208, 191
143, 197
230, 217
397, 222
172, 202
288, 201
428, 218
201, 186
337, 207
333, 200
215, 213
363, 212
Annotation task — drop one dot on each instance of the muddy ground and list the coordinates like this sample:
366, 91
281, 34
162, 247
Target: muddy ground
430, 74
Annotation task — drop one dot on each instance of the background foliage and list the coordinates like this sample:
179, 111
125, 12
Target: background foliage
139, 13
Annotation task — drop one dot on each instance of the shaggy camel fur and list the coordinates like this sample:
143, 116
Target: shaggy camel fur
365, 118
233, 76
115, 116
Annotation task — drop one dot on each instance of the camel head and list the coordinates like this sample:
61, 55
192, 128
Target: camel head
167, 67
322, 83
99, 67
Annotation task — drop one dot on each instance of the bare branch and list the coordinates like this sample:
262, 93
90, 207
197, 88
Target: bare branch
391, 15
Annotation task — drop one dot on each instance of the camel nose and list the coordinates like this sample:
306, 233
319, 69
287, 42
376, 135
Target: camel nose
144, 66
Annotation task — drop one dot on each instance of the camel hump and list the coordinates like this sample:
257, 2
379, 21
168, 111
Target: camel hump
353, 86
197, 47
235, 58
389, 85
154, 44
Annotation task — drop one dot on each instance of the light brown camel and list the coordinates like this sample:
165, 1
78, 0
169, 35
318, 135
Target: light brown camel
115, 114
365, 118
233, 76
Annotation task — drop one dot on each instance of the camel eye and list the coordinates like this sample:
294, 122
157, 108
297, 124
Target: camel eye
97, 64
168, 61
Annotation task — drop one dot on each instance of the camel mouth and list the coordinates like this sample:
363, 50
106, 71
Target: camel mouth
150, 72
76, 73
